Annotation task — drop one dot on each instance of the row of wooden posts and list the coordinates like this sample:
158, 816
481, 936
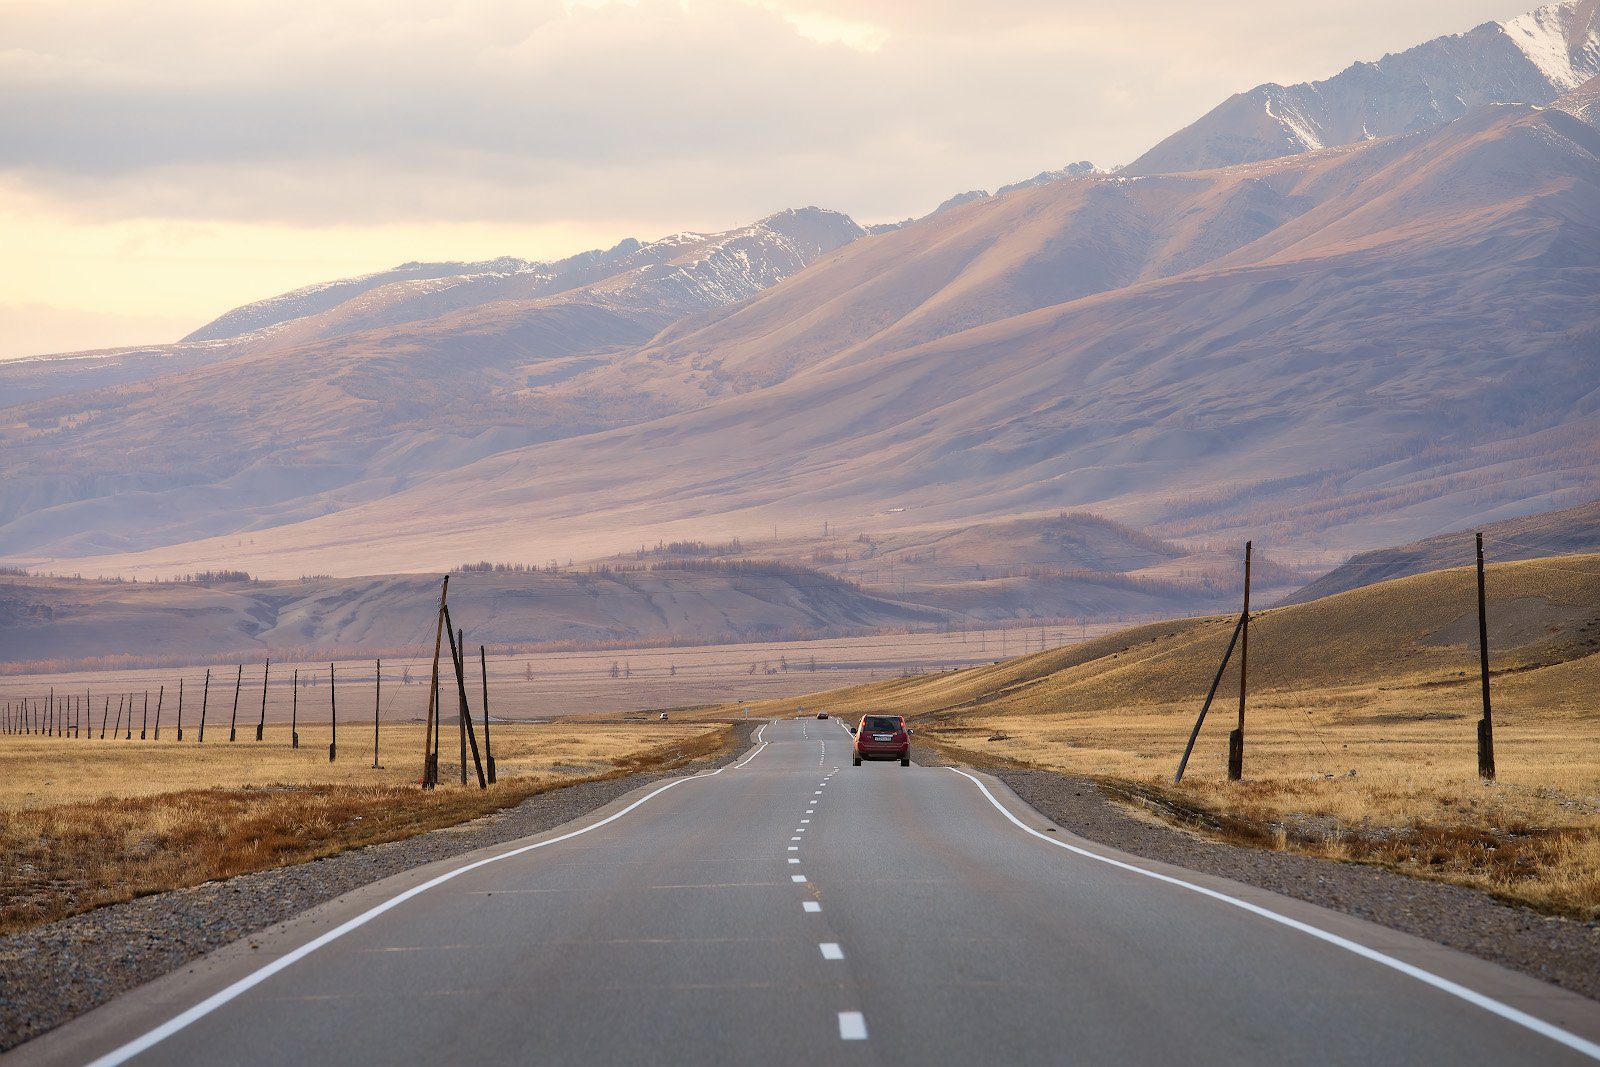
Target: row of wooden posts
72, 716
1241, 638
66, 716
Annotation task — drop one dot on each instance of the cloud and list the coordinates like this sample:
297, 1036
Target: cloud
314, 113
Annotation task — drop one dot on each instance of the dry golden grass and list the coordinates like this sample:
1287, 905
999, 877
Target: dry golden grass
1360, 729
89, 823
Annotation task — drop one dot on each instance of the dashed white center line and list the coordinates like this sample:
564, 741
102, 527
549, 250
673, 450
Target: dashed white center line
818, 793
794, 848
852, 1026
799, 829
796, 839
811, 905
792, 859
804, 821
832, 951
797, 878
811, 811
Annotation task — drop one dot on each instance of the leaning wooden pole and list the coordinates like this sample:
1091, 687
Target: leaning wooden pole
144, 722
430, 752
294, 713
1485, 724
180, 708
261, 726
1210, 695
488, 754
205, 698
233, 723
162, 695
457, 654
1236, 740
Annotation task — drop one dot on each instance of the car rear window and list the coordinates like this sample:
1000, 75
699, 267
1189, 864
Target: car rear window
880, 723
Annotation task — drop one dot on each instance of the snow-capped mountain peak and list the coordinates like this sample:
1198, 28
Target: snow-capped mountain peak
1531, 59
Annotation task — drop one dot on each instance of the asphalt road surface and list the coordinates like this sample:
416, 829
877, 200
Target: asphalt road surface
793, 909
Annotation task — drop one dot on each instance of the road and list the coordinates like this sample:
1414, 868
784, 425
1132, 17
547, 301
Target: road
793, 909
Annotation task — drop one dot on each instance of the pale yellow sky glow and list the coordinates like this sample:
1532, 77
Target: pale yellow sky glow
163, 162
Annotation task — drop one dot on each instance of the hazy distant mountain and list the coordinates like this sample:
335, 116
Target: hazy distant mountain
1321, 352
1531, 59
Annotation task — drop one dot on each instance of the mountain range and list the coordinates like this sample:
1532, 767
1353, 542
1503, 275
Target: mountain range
1325, 351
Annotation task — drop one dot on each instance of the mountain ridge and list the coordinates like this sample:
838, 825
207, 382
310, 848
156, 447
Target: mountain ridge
1531, 59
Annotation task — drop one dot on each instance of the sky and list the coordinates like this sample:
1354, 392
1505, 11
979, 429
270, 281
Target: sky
163, 162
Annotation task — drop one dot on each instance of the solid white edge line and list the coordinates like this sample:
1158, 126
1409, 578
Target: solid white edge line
255, 978
1487, 1003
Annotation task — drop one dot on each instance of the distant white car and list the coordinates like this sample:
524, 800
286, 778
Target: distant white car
663, 716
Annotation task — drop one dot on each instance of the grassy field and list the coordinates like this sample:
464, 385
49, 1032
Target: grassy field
88, 823
1360, 726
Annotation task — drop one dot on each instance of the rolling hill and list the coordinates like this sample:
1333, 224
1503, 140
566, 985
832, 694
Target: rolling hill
1557, 533
110, 624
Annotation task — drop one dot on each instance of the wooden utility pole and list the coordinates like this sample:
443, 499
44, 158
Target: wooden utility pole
106, 714
261, 726
233, 723
333, 717
180, 707
1210, 695
430, 748
160, 696
488, 754
294, 713
129, 735
377, 708
458, 650
1485, 724
205, 698
1236, 739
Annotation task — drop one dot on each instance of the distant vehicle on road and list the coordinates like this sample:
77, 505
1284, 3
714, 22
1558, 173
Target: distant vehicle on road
880, 737
663, 716
822, 715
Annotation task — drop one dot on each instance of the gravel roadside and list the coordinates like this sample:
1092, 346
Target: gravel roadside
56, 972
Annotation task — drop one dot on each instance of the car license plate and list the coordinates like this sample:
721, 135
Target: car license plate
883, 737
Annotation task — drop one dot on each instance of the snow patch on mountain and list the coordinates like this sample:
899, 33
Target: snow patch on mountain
682, 272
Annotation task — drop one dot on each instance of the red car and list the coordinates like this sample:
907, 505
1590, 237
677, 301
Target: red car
882, 737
